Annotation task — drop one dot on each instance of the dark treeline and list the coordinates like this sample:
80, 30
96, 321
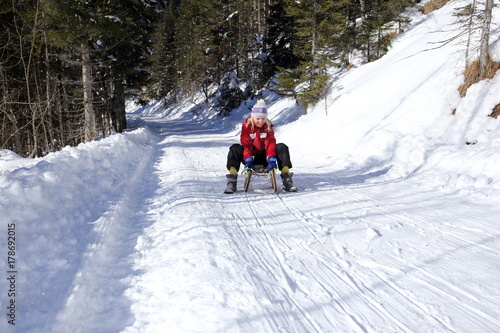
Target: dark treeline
67, 66
225, 45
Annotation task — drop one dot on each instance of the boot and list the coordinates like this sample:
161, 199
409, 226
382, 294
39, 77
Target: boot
288, 182
231, 183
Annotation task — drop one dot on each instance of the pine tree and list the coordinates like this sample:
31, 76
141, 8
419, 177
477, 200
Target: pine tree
377, 29
110, 38
67, 64
279, 41
164, 80
320, 26
193, 44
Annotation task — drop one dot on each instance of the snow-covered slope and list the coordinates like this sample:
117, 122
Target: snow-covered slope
394, 228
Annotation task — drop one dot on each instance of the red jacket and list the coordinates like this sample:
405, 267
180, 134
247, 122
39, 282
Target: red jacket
257, 140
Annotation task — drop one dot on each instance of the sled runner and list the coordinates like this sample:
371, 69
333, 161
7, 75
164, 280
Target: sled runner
259, 171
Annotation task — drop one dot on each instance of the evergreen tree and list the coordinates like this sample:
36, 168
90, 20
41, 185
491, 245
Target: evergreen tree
280, 41
377, 29
193, 44
320, 25
164, 79
111, 39
61, 58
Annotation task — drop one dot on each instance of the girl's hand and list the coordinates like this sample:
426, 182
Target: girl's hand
271, 164
249, 163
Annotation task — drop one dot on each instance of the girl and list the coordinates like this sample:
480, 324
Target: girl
258, 145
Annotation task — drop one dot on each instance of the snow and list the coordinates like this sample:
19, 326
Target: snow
394, 228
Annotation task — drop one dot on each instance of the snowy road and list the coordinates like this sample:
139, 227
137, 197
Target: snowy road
350, 252
394, 228
132, 233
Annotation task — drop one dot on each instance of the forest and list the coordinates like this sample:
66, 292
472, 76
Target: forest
67, 67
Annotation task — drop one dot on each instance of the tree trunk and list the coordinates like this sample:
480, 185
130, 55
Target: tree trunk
362, 5
90, 128
48, 91
470, 26
118, 107
485, 37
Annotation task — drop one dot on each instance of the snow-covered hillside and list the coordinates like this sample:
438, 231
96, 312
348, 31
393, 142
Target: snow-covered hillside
394, 228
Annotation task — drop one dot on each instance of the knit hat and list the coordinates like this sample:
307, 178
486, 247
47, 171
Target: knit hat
259, 110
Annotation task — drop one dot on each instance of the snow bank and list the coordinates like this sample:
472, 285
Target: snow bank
52, 204
397, 112
494, 50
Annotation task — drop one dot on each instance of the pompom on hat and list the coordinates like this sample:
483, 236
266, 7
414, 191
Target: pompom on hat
259, 110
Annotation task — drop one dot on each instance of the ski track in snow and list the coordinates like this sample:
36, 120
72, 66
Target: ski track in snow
343, 254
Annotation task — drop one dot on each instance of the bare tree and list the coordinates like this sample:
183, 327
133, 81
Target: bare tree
90, 127
485, 37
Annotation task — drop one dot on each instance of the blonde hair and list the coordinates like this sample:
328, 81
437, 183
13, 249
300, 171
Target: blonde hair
250, 122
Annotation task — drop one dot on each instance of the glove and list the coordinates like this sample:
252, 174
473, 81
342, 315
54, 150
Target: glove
271, 164
249, 163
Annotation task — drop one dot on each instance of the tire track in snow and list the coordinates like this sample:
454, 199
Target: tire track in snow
269, 274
